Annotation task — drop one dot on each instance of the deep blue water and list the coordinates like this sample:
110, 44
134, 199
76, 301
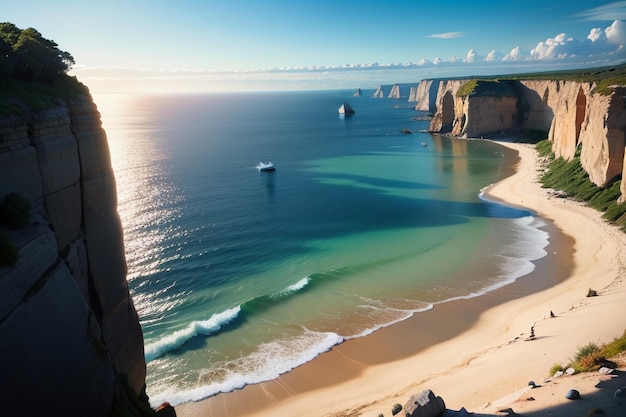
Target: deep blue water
240, 275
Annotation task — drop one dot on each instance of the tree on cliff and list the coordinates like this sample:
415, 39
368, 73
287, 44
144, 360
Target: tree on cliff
27, 55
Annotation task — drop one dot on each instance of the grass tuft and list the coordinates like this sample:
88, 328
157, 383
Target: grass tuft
590, 357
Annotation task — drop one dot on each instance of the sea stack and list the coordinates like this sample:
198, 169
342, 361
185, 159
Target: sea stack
346, 109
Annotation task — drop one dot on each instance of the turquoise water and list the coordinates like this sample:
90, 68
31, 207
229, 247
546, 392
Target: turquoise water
240, 275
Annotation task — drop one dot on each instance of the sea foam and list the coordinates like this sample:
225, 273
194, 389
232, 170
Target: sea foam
195, 328
268, 362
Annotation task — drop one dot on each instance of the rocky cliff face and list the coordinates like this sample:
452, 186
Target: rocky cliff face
426, 95
568, 111
69, 333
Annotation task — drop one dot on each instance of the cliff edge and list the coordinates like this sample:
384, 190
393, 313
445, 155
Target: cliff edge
70, 337
584, 114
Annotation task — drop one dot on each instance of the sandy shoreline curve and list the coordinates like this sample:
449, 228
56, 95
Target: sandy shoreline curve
481, 361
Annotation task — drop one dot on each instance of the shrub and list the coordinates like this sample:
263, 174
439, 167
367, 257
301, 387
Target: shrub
557, 367
15, 210
586, 350
8, 251
590, 357
591, 293
617, 346
587, 358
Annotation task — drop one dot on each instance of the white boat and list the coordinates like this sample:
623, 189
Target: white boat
265, 166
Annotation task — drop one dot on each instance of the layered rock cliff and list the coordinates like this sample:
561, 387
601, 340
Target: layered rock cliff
70, 337
425, 95
572, 113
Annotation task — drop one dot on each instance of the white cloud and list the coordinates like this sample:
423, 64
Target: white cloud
472, 56
598, 42
494, 56
447, 35
516, 54
611, 11
616, 33
601, 47
594, 34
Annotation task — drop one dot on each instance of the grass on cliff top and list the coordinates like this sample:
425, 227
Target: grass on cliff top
571, 178
486, 87
20, 97
604, 78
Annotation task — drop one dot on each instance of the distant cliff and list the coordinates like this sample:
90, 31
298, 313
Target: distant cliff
70, 337
574, 114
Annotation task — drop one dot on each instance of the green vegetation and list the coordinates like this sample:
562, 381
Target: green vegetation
571, 178
15, 211
467, 88
8, 251
616, 347
544, 148
604, 77
486, 87
557, 367
28, 56
33, 71
20, 97
591, 357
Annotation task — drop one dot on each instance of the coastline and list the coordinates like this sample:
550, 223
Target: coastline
480, 357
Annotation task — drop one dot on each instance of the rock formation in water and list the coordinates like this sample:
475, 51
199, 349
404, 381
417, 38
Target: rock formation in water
572, 113
70, 337
345, 108
394, 92
379, 92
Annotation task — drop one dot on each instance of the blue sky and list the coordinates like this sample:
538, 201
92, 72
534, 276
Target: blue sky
208, 45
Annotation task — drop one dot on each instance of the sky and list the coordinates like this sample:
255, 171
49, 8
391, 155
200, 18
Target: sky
138, 46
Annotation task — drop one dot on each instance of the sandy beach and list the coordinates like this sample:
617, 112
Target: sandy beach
475, 353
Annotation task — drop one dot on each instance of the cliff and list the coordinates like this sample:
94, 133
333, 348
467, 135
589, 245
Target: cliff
426, 95
574, 114
70, 337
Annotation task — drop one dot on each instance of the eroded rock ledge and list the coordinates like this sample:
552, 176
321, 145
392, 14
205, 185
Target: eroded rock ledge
70, 337
570, 112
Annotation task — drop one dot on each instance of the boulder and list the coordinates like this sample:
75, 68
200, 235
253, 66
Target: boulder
572, 395
424, 404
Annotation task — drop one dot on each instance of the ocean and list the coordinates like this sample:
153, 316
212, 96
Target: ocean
239, 276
